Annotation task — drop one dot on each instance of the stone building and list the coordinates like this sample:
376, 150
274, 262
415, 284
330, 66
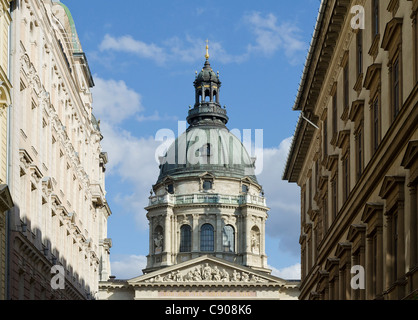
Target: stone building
207, 216
58, 227
354, 152
6, 201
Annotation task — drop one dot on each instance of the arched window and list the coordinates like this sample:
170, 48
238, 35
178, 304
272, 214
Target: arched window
228, 239
185, 238
207, 240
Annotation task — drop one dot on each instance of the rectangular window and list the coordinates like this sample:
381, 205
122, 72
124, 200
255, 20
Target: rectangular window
359, 154
376, 131
325, 138
375, 253
346, 84
395, 247
310, 193
395, 88
334, 198
359, 52
303, 206
346, 177
334, 114
376, 18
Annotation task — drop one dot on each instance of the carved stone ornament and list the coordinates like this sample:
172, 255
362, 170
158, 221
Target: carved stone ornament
206, 273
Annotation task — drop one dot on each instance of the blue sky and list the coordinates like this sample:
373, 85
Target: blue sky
143, 56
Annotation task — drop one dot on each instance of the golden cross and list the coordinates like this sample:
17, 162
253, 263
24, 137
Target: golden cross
207, 50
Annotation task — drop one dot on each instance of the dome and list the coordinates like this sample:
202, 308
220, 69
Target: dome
207, 75
207, 149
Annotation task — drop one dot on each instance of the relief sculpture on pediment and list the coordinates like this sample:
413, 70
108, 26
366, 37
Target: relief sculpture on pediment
207, 273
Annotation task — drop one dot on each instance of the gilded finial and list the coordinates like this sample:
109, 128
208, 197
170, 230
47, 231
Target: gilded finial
207, 50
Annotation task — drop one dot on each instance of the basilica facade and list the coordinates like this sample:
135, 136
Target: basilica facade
207, 215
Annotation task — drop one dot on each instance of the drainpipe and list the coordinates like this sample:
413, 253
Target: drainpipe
9, 169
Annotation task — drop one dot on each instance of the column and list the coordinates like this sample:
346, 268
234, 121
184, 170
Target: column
167, 238
348, 281
341, 279
379, 261
401, 248
218, 234
389, 267
263, 242
195, 233
369, 268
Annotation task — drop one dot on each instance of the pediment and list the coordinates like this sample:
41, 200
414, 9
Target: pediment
355, 230
342, 248
370, 210
390, 184
246, 180
207, 270
411, 154
392, 28
207, 175
6, 201
343, 138
168, 180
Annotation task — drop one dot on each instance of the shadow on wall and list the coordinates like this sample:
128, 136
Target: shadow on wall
37, 270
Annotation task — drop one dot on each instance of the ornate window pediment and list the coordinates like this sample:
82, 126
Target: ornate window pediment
332, 161
392, 34
392, 191
410, 160
371, 211
356, 235
372, 78
6, 201
343, 140
343, 252
356, 112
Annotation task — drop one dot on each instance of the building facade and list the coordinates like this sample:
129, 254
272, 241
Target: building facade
207, 216
354, 153
58, 245
6, 201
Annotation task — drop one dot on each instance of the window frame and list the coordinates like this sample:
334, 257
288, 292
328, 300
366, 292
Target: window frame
207, 238
185, 238
360, 52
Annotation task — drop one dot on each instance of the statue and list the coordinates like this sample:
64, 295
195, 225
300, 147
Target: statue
254, 243
216, 274
158, 242
207, 272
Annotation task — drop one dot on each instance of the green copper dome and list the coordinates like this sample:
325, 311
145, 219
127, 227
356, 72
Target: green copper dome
207, 75
207, 145
207, 149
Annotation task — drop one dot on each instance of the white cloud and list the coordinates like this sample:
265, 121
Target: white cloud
272, 37
288, 273
132, 160
155, 117
282, 197
128, 266
128, 44
114, 101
